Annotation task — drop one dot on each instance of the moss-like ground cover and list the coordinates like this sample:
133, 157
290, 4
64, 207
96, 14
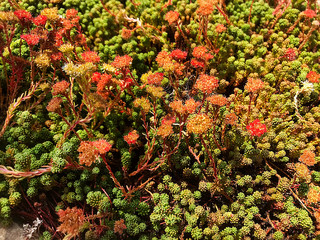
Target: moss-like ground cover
153, 119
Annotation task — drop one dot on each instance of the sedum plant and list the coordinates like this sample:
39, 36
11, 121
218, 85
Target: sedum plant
160, 119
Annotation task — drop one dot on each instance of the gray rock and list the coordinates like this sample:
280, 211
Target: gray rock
14, 232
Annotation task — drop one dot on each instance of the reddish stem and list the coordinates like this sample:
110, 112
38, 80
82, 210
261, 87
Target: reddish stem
106, 9
223, 14
114, 179
249, 108
211, 158
250, 12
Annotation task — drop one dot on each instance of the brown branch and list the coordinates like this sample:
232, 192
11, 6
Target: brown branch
13, 106
250, 12
11, 172
107, 10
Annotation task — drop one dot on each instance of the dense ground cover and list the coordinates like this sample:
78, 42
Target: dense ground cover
152, 119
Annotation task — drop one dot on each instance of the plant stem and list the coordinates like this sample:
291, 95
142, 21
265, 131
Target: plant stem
250, 12
211, 158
